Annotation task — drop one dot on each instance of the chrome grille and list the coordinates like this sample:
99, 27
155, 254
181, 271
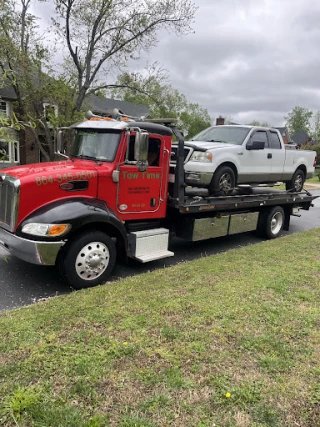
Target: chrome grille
174, 151
9, 200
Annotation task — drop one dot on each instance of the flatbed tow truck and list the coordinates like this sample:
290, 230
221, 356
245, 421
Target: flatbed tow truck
119, 194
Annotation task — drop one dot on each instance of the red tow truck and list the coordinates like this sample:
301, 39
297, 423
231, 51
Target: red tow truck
121, 193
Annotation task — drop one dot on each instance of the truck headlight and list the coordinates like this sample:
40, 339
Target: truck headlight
201, 156
50, 230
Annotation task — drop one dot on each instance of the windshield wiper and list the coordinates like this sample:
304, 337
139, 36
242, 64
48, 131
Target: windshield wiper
210, 140
218, 140
83, 156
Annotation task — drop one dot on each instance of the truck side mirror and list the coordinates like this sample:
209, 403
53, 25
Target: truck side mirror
62, 141
141, 146
255, 145
58, 142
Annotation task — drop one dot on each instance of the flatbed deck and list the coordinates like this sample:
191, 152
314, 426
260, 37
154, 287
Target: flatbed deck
248, 198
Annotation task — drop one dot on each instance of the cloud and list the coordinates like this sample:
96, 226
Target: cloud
249, 59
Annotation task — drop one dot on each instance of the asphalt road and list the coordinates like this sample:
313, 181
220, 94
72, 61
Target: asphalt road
23, 284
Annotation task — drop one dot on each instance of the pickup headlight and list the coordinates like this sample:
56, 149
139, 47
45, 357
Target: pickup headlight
201, 156
50, 230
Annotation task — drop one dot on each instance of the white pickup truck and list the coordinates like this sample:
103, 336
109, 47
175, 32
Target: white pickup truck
222, 157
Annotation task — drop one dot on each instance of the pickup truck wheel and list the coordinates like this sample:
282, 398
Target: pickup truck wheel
88, 260
271, 222
297, 181
223, 181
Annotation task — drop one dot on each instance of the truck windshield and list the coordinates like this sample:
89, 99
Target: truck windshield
226, 134
95, 145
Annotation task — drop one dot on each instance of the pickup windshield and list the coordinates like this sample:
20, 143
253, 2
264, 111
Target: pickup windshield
95, 145
225, 134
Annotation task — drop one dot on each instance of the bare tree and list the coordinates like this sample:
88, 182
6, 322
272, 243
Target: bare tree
102, 35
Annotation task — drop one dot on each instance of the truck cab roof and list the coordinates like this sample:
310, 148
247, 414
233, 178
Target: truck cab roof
121, 125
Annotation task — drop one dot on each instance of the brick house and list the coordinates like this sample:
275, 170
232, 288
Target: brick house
284, 133
9, 138
21, 148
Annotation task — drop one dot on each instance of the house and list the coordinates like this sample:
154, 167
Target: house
301, 138
284, 133
9, 138
20, 147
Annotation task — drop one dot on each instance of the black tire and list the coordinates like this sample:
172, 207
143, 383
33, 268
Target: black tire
87, 260
296, 182
223, 181
271, 222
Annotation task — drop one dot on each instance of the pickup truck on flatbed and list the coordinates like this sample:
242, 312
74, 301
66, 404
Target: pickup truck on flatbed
112, 198
222, 157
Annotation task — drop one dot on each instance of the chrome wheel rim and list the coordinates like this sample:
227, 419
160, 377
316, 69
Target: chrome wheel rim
298, 183
276, 222
225, 182
92, 260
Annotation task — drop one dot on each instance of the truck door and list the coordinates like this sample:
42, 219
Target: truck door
140, 192
257, 163
278, 156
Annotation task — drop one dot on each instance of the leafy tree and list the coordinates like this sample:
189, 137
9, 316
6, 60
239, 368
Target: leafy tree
257, 123
154, 91
316, 126
100, 36
299, 119
229, 120
22, 60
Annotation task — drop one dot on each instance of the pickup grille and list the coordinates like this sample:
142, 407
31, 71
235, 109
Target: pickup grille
174, 151
9, 200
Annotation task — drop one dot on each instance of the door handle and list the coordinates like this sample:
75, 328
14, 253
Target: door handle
269, 156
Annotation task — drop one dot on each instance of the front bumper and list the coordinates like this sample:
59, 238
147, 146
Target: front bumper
43, 253
195, 178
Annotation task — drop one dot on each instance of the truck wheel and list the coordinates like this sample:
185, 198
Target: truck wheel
271, 222
223, 181
297, 181
88, 260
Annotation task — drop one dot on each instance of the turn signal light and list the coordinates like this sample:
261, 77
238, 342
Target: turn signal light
57, 230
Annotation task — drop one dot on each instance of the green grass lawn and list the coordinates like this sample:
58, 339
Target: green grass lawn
314, 180
231, 340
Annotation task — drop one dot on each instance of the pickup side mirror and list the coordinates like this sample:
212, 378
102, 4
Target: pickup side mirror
141, 146
255, 145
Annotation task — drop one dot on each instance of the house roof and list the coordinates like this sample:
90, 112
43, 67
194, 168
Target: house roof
282, 129
99, 105
300, 137
8, 93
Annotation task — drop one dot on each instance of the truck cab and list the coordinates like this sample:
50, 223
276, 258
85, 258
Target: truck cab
132, 191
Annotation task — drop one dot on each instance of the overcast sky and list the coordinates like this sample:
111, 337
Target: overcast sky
247, 59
